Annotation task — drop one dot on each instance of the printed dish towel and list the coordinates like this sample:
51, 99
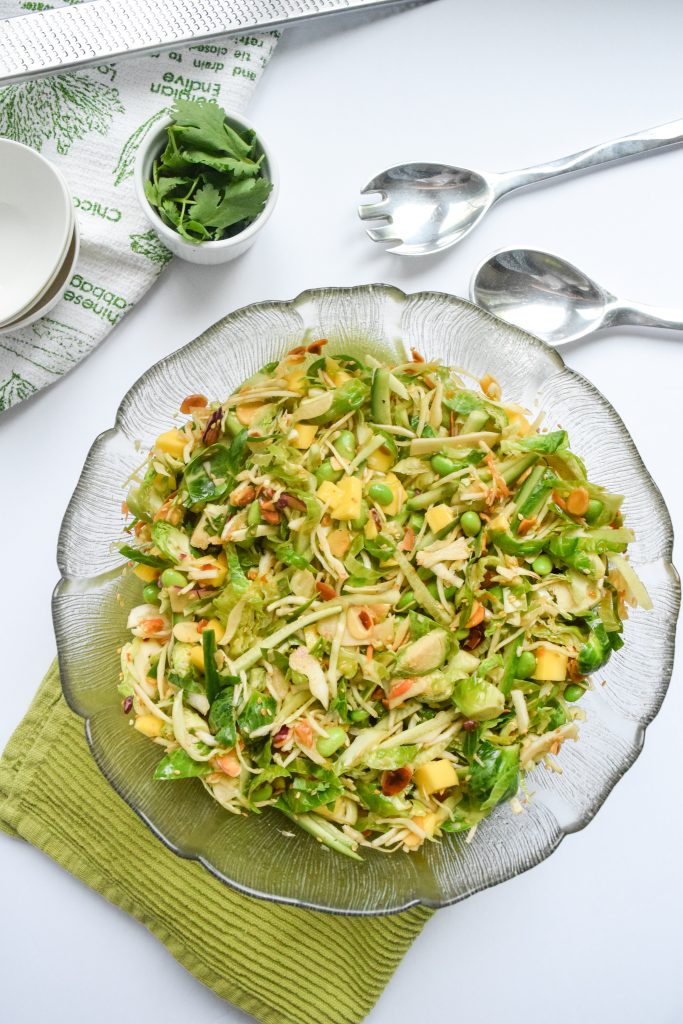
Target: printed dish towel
91, 122
319, 968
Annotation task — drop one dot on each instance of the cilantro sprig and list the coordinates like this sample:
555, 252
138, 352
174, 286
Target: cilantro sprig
208, 183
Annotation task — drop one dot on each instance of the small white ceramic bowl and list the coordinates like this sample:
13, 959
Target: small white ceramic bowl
36, 226
53, 293
207, 253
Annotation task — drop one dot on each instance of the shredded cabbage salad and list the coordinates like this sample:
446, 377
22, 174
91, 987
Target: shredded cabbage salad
373, 595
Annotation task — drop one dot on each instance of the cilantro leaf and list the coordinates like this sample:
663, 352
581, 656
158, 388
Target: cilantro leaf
206, 203
222, 163
202, 125
156, 191
241, 201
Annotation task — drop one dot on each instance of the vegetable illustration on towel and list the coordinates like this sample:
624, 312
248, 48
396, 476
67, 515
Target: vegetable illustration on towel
62, 108
14, 389
148, 245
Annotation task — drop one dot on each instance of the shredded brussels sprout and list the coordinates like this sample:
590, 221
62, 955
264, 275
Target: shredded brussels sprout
372, 597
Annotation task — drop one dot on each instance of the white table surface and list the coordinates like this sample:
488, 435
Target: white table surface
595, 931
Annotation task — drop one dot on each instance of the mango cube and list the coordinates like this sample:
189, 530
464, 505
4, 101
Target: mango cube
399, 495
294, 380
439, 517
518, 419
427, 822
172, 443
197, 657
551, 666
329, 493
148, 725
370, 530
215, 625
146, 573
380, 461
249, 412
347, 507
305, 433
435, 776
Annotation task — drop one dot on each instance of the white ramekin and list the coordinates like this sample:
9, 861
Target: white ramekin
207, 253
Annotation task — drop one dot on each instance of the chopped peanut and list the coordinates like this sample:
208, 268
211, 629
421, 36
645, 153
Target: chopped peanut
326, 592
577, 501
229, 764
477, 615
526, 525
193, 402
408, 542
242, 495
394, 782
304, 733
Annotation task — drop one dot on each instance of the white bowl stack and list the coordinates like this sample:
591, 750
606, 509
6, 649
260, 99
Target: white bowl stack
38, 235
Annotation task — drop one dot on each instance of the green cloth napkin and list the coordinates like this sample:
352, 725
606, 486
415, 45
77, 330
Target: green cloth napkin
320, 968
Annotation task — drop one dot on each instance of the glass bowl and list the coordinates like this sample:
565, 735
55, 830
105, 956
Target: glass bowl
260, 855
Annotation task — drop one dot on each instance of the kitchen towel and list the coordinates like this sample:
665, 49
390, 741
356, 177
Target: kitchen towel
91, 123
280, 964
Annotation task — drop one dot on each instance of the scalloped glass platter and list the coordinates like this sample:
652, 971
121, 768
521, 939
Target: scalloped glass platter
92, 599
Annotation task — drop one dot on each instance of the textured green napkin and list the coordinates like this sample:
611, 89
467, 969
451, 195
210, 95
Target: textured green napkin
53, 795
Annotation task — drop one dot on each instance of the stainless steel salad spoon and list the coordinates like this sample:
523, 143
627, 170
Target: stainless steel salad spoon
429, 207
555, 300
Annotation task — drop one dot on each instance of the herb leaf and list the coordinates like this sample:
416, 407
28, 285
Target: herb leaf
208, 182
179, 765
241, 201
222, 717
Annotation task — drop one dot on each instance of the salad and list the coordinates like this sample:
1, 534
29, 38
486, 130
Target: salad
373, 596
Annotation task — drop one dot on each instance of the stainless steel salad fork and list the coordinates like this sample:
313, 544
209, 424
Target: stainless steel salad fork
425, 208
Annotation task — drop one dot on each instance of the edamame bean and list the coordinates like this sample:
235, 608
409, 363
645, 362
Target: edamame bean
416, 520
542, 565
526, 666
442, 465
360, 715
406, 601
151, 594
471, 523
254, 514
172, 578
346, 444
573, 692
327, 472
381, 493
594, 510
327, 745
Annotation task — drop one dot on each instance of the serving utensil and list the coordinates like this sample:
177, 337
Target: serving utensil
556, 301
90, 33
425, 208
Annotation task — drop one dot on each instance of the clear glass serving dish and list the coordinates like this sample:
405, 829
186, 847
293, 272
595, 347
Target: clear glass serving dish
263, 855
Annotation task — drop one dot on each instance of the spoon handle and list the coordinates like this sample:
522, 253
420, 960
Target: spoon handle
636, 314
648, 141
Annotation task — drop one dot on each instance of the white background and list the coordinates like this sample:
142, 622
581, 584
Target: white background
595, 932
